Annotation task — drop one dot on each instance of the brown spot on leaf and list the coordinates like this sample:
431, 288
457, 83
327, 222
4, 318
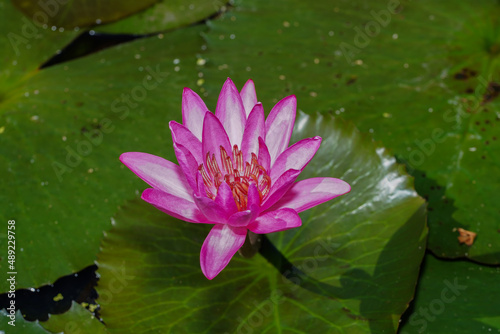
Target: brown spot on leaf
466, 237
492, 91
351, 315
465, 74
351, 80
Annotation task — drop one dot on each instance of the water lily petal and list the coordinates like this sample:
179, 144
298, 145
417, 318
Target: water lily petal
308, 193
253, 198
279, 126
193, 109
225, 199
248, 96
254, 128
159, 173
264, 157
188, 164
231, 113
221, 208
296, 156
211, 210
182, 135
201, 186
214, 136
221, 244
275, 221
243, 218
280, 187
174, 206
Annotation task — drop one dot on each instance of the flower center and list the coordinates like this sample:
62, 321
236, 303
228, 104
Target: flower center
237, 174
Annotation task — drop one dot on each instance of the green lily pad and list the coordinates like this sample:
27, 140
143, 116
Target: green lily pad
424, 82
19, 326
455, 297
25, 47
164, 15
76, 320
352, 267
72, 14
62, 130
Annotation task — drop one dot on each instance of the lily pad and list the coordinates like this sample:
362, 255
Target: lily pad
25, 46
76, 320
62, 130
454, 297
422, 77
352, 267
71, 14
164, 15
20, 325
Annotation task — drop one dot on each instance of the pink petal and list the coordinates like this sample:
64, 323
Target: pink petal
280, 187
275, 221
182, 135
214, 136
176, 207
219, 247
211, 210
159, 173
201, 186
308, 193
193, 111
248, 96
254, 128
279, 126
264, 157
253, 197
231, 112
243, 218
296, 156
220, 209
225, 199
188, 164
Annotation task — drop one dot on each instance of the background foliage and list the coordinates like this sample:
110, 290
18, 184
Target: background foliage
421, 78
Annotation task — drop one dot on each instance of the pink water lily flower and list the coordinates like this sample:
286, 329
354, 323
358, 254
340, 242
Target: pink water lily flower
235, 171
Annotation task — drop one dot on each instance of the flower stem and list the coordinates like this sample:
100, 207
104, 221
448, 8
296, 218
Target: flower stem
251, 245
